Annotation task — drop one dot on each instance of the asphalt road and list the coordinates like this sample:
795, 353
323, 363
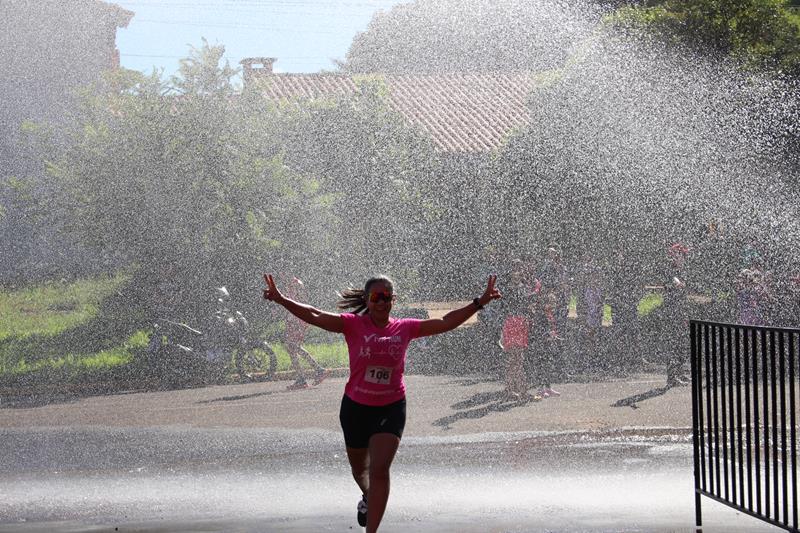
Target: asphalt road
612, 456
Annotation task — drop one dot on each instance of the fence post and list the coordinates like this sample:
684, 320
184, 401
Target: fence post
696, 425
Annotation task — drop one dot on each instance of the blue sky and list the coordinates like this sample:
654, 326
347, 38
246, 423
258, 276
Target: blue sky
305, 35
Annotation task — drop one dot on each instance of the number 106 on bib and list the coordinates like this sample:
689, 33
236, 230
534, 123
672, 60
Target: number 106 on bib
378, 374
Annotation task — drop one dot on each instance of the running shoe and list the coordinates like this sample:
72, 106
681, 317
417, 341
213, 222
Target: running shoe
361, 514
543, 393
527, 397
321, 376
298, 385
510, 396
552, 392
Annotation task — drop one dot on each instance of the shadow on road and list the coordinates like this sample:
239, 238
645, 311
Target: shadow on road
44, 397
479, 405
631, 401
237, 397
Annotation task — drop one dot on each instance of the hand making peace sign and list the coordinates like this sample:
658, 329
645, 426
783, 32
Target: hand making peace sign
491, 292
271, 292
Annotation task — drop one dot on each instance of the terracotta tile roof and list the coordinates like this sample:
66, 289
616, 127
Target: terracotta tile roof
461, 112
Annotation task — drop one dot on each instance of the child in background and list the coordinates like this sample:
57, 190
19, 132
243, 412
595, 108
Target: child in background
515, 332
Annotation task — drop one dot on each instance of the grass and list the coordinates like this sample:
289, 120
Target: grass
572, 308
50, 309
649, 303
35, 317
73, 365
329, 355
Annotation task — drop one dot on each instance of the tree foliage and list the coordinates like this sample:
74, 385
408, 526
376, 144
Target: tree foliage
181, 178
433, 36
638, 146
759, 33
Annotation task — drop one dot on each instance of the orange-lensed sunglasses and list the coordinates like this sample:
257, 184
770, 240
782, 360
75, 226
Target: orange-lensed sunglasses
376, 297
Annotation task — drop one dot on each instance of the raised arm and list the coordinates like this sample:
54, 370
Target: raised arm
456, 317
322, 319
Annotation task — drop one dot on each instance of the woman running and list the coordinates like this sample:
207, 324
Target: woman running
373, 409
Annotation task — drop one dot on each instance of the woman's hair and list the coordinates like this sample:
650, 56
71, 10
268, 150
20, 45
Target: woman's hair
356, 299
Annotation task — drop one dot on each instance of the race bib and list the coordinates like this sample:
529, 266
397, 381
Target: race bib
378, 374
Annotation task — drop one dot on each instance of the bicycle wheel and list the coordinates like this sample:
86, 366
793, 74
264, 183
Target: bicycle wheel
251, 365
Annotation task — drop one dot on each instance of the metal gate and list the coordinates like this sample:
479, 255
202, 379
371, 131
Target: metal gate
744, 394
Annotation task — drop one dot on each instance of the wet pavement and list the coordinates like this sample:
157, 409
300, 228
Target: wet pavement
258, 458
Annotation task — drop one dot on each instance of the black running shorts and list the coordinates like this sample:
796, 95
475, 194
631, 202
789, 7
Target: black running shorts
360, 422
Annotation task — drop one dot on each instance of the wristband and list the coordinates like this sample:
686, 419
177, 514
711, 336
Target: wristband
477, 303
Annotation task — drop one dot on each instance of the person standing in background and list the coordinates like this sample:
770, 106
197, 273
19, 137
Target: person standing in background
674, 342
515, 334
547, 341
293, 338
624, 293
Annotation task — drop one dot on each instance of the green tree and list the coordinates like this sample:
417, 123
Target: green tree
759, 33
434, 36
180, 178
635, 147
202, 74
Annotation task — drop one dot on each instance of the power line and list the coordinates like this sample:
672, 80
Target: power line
236, 26
335, 13
348, 9
225, 57
338, 13
255, 4
283, 9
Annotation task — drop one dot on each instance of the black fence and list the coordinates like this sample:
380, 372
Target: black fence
744, 399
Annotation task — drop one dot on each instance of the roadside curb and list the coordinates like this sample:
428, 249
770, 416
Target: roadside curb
127, 385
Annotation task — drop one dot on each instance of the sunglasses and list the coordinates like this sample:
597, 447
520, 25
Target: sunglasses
375, 297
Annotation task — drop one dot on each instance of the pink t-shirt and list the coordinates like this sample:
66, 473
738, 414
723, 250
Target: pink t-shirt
377, 358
